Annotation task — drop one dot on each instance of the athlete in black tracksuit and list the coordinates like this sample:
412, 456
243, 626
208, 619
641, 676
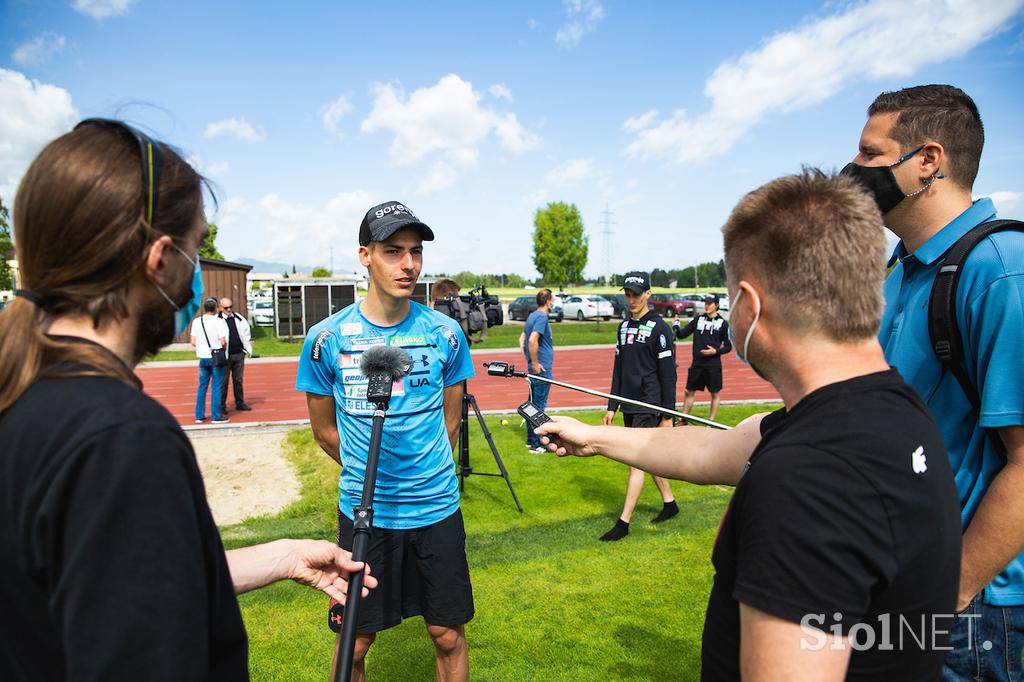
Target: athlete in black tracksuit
645, 370
710, 333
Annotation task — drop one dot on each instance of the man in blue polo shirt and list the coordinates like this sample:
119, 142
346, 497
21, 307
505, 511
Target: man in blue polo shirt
418, 542
540, 356
918, 156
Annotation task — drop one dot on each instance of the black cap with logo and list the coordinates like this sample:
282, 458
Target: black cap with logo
710, 298
385, 219
637, 282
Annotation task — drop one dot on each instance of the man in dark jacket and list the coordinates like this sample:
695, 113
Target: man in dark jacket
645, 370
710, 343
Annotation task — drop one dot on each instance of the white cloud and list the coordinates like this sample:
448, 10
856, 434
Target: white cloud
582, 17
500, 91
33, 114
635, 124
796, 69
216, 168
39, 50
332, 113
441, 176
514, 137
274, 228
101, 9
571, 173
1006, 201
446, 118
531, 24
236, 127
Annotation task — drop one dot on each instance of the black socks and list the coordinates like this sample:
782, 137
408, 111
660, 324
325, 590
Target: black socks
618, 531
667, 512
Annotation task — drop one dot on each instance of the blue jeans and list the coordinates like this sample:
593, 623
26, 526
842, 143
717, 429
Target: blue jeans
987, 642
209, 376
539, 397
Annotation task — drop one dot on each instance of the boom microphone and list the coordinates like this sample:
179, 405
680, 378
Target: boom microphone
504, 369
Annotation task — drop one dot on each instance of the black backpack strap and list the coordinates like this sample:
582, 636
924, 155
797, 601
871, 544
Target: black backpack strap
943, 329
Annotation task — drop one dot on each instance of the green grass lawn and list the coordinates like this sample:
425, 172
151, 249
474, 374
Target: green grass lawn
552, 602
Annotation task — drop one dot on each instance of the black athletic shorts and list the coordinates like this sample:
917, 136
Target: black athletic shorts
421, 572
700, 378
644, 420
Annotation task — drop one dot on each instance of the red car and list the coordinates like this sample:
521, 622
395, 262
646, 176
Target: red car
673, 305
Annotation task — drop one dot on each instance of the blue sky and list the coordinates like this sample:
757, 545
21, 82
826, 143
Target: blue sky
474, 114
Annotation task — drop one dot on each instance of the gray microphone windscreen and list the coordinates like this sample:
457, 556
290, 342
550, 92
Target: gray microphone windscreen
387, 360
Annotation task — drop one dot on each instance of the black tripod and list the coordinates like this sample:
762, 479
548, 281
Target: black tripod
465, 469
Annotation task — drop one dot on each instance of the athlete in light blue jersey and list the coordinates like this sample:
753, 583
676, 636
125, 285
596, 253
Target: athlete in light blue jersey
418, 542
416, 483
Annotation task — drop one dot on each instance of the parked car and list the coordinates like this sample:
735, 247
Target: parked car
674, 305
582, 307
722, 296
263, 312
521, 308
619, 307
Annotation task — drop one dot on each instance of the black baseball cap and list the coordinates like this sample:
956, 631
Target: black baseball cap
383, 220
637, 282
711, 299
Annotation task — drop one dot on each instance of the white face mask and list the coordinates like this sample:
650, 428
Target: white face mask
750, 331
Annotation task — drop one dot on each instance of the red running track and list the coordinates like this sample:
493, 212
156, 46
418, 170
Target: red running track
270, 384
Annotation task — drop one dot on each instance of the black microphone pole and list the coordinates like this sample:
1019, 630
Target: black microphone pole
362, 522
378, 391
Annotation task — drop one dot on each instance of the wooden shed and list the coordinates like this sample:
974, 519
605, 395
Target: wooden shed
223, 279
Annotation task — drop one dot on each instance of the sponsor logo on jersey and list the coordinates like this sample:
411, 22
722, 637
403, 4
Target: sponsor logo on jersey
453, 338
364, 342
663, 341
706, 324
316, 352
353, 376
664, 354
347, 360
407, 340
351, 329
356, 392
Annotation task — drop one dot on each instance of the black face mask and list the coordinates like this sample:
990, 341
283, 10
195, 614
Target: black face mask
156, 325
881, 183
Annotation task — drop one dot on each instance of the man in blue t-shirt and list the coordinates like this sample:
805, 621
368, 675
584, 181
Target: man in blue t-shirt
540, 356
418, 542
918, 156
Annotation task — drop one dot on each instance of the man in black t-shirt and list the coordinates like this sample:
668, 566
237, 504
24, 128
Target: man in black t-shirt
111, 566
839, 554
644, 370
710, 343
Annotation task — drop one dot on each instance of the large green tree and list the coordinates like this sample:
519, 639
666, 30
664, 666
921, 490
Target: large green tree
6, 246
208, 249
320, 271
559, 243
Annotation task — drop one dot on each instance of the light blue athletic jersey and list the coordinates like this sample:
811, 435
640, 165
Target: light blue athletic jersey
416, 483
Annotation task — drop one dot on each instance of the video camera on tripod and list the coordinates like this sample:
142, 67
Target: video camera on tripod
475, 311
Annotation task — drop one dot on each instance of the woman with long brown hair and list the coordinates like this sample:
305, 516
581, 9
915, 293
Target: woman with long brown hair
111, 566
